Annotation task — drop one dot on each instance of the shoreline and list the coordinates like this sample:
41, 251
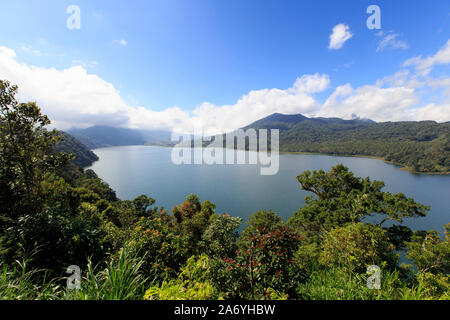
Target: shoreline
399, 166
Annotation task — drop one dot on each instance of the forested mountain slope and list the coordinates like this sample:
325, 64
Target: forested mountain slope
69, 144
419, 146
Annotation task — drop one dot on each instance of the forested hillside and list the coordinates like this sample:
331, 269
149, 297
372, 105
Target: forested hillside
419, 146
83, 157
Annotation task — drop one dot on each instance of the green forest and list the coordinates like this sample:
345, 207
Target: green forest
54, 214
418, 146
82, 156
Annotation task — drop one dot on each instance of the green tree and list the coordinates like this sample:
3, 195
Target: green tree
356, 246
263, 267
431, 256
429, 252
267, 220
163, 248
26, 155
219, 239
192, 218
340, 198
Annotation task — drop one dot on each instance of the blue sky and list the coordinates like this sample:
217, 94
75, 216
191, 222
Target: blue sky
177, 55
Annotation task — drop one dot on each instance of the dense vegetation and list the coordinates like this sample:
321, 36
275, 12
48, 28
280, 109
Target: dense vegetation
54, 215
83, 157
422, 146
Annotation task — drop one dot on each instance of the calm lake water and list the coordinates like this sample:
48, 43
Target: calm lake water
240, 190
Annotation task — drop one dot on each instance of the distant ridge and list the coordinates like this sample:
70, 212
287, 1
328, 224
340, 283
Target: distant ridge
284, 121
279, 117
69, 144
105, 136
419, 146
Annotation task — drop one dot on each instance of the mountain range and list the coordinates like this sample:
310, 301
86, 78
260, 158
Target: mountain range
105, 136
419, 146
69, 144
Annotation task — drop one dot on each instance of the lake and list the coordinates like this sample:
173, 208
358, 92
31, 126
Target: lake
240, 190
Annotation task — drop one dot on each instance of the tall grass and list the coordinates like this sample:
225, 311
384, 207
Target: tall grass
337, 284
120, 280
19, 283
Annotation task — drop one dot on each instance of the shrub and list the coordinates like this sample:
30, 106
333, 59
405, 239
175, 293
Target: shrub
191, 284
163, 249
219, 239
56, 239
357, 246
264, 262
429, 252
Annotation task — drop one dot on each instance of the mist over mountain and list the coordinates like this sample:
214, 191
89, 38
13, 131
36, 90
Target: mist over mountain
106, 136
69, 144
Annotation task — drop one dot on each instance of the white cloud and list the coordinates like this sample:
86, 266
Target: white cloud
250, 107
425, 65
396, 97
73, 97
443, 82
380, 104
402, 78
391, 41
399, 103
260, 103
311, 83
341, 33
70, 96
85, 64
121, 42
29, 49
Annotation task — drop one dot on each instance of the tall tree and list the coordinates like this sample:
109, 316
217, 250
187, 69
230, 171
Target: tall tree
341, 198
26, 155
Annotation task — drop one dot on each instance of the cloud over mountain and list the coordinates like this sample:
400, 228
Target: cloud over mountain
73, 97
